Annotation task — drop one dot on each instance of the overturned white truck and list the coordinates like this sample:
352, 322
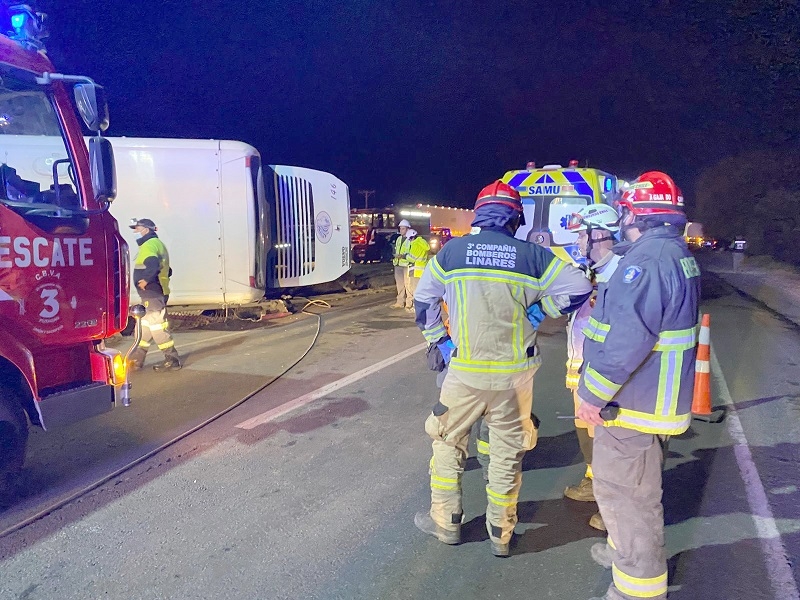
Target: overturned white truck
235, 228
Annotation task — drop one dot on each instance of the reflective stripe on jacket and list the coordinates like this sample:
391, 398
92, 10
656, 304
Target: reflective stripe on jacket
401, 246
418, 253
490, 279
641, 338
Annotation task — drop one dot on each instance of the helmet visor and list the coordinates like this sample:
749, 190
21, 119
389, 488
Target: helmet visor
574, 222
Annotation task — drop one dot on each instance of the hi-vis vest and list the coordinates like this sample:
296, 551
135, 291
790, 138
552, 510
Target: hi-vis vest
641, 339
419, 250
401, 246
490, 279
155, 247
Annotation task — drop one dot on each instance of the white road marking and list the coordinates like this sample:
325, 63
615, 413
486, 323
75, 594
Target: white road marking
292, 405
224, 336
777, 562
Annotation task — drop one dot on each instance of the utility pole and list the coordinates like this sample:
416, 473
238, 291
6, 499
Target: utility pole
367, 194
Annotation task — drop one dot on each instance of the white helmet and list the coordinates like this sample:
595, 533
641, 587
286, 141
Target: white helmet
404, 223
411, 233
594, 216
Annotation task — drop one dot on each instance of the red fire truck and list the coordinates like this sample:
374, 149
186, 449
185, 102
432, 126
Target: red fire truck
63, 264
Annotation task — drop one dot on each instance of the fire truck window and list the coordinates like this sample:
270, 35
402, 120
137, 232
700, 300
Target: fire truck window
35, 169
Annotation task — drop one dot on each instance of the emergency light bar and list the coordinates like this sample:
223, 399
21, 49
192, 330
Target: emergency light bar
26, 25
414, 213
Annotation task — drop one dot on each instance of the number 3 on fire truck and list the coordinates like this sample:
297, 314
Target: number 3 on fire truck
51, 306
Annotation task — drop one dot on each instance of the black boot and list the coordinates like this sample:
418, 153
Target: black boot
172, 362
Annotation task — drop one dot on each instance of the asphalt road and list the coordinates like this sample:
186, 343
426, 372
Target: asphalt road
318, 503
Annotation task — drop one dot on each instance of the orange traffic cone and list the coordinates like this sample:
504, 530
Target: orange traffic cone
701, 400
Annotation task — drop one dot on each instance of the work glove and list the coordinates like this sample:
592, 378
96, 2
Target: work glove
446, 348
535, 315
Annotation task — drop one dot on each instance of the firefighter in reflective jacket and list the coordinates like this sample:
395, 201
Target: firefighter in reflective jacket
640, 351
491, 281
151, 273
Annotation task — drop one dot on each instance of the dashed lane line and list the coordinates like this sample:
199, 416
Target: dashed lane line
301, 401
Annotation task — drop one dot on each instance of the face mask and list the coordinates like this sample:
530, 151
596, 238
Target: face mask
137, 235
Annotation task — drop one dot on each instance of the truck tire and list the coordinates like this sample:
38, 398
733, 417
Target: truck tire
13, 439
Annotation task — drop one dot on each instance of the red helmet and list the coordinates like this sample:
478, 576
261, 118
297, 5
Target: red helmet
499, 193
653, 193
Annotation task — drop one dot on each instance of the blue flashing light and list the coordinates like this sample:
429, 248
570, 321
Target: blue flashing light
18, 21
608, 184
26, 26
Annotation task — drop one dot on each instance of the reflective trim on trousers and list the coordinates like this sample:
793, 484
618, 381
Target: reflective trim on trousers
501, 499
639, 587
483, 447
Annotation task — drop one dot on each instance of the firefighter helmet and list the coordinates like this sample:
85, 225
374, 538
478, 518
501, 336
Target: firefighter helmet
652, 194
594, 216
499, 193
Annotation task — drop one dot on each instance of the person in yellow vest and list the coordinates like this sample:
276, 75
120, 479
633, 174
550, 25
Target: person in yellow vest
417, 256
405, 295
151, 273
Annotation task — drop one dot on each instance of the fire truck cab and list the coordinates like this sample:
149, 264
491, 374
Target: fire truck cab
63, 264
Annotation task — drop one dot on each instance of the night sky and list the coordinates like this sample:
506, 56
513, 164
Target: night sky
429, 101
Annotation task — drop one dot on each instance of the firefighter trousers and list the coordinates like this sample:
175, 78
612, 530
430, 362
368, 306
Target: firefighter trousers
627, 468
511, 434
155, 327
405, 296
412, 287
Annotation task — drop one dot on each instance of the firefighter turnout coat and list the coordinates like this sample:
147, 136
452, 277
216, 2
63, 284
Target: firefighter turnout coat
152, 266
490, 279
641, 338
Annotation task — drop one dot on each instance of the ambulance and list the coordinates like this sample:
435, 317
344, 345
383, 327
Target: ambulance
550, 194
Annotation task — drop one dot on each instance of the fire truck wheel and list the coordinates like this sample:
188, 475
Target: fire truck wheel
13, 438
